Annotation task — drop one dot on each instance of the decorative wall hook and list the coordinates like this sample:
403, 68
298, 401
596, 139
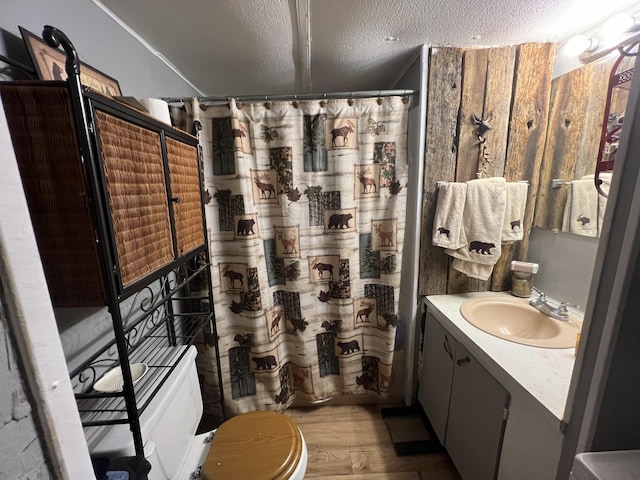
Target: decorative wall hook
483, 126
484, 163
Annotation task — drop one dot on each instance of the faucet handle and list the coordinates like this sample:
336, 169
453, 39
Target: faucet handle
563, 306
539, 292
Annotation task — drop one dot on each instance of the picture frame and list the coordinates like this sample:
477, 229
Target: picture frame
49, 64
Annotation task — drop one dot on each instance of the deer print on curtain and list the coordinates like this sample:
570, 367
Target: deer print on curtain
306, 219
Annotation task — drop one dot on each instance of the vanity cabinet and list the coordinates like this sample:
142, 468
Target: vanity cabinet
129, 208
466, 406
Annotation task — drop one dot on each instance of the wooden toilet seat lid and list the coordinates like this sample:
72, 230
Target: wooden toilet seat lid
256, 446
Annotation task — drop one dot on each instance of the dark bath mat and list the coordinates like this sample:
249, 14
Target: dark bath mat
410, 431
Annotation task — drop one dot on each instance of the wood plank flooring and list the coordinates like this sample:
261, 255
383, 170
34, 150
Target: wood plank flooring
352, 442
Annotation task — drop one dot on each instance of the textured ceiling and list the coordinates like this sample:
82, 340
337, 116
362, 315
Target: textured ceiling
232, 47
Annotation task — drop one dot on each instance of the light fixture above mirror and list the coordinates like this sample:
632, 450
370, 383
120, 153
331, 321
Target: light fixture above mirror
620, 30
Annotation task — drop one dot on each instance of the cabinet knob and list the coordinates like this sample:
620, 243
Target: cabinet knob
175, 199
462, 361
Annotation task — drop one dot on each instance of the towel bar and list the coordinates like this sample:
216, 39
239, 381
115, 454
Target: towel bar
443, 182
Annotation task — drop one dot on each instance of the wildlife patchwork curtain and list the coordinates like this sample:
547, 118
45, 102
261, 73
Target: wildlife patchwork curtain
306, 218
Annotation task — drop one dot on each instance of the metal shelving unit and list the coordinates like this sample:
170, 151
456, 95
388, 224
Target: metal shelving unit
158, 315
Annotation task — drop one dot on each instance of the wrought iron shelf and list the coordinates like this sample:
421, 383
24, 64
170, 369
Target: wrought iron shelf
107, 409
155, 335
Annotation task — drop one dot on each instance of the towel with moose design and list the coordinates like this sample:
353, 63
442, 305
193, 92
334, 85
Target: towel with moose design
512, 230
447, 224
482, 221
581, 210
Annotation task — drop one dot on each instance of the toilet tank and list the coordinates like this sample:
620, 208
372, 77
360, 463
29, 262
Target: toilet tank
168, 424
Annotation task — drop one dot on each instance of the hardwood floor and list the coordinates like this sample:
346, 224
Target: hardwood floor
352, 442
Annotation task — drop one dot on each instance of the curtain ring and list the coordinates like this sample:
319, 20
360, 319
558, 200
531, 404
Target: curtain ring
405, 99
295, 102
267, 105
203, 107
323, 102
239, 105
380, 100
351, 101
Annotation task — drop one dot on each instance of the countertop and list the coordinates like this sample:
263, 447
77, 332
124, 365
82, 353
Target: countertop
620, 465
545, 373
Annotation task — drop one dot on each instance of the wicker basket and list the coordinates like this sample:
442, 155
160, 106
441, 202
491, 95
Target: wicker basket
134, 172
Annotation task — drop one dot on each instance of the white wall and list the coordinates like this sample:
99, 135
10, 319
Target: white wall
566, 264
99, 41
32, 325
415, 78
24, 453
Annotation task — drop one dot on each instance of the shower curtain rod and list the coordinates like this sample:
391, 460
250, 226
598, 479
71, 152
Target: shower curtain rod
300, 96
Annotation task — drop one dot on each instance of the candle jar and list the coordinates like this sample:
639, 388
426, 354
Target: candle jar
521, 284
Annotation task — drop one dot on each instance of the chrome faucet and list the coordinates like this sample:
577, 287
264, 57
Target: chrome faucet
542, 304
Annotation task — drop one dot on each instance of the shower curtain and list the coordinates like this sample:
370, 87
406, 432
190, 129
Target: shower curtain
305, 210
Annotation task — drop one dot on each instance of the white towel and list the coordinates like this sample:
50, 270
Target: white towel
447, 224
602, 200
472, 270
482, 221
581, 210
512, 230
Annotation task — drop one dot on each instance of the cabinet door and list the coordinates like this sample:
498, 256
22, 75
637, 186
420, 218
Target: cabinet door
137, 195
437, 371
43, 133
185, 195
477, 416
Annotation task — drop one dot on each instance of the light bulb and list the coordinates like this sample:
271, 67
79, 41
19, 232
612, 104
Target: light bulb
578, 44
619, 23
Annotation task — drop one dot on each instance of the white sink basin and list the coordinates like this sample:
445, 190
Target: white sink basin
513, 319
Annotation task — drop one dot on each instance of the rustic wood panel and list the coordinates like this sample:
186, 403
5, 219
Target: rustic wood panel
498, 100
487, 79
474, 82
529, 117
575, 122
440, 159
598, 75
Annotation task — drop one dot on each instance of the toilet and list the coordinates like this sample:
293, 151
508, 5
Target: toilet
260, 445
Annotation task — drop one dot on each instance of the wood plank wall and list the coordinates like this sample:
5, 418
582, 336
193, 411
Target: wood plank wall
576, 115
511, 83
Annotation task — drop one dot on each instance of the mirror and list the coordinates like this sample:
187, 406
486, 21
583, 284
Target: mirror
581, 99
615, 106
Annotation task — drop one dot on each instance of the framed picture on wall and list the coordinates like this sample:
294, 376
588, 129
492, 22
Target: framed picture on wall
49, 65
